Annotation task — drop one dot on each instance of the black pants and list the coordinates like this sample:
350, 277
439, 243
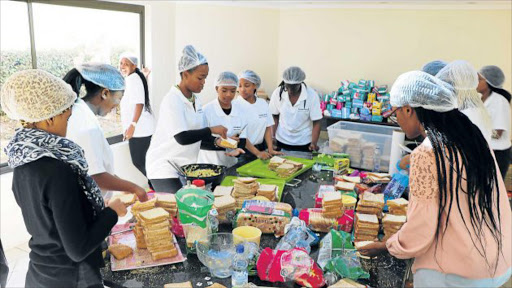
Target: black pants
169, 185
503, 159
138, 149
302, 148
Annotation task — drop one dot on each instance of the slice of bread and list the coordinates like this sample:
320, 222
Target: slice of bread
361, 244
154, 215
267, 188
222, 191
345, 186
127, 198
164, 254
187, 284
356, 180
120, 251
367, 218
166, 199
332, 197
246, 180
400, 202
224, 201
394, 219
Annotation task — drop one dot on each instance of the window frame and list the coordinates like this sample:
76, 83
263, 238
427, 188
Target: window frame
92, 4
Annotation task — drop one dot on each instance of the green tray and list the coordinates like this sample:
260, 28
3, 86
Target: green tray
259, 168
228, 181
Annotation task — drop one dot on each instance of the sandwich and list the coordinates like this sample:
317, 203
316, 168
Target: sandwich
187, 284
369, 199
268, 191
154, 215
345, 283
127, 198
222, 191
275, 162
355, 180
345, 186
228, 143
362, 244
120, 251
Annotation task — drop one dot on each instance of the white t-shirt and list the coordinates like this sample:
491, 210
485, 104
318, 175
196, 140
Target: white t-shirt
499, 110
235, 122
295, 122
84, 129
177, 114
259, 118
133, 95
478, 118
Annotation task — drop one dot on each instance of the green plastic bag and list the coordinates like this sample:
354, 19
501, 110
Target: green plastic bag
347, 266
193, 206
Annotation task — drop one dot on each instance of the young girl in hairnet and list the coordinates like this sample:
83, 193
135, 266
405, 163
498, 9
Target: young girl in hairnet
228, 113
259, 131
296, 111
458, 227
497, 102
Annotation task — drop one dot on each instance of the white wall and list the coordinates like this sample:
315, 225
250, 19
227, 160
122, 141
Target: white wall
232, 39
336, 44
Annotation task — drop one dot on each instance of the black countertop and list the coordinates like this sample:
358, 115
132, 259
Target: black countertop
192, 270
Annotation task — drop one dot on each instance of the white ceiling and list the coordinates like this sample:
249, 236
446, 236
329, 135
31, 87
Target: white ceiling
391, 4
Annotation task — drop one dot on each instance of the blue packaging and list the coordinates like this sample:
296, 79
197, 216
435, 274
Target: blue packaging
358, 103
366, 118
377, 118
336, 113
345, 113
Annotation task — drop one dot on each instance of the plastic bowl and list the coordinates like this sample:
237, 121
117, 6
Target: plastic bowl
216, 251
247, 233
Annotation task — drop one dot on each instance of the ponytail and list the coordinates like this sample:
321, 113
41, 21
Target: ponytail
501, 91
147, 105
75, 79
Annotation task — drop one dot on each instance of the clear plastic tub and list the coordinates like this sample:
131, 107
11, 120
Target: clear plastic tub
359, 141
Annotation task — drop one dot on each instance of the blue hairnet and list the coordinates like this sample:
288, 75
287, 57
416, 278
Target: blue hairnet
131, 57
102, 75
190, 59
250, 76
419, 89
293, 75
434, 67
227, 79
493, 75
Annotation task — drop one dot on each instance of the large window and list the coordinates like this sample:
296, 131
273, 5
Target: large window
57, 35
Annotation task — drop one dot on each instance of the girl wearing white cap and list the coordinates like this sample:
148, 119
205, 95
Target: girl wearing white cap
104, 87
458, 227
224, 111
136, 114
61, 204
296, 111
259, 131
497, 101
181, 126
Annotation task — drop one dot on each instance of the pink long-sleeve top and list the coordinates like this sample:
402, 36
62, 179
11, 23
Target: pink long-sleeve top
456, 253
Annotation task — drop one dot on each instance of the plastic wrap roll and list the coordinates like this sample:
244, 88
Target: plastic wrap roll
396, 151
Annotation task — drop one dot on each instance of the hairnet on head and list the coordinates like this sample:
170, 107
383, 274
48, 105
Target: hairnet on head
293, 75
419, 89
493, 75
434, 67
190, 59
103, 75
35, 95
250, 76
227, 79
130, 57
464, 79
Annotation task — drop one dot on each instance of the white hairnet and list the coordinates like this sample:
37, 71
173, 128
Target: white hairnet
250, 76
103, 75
293, 75
493, 75
419, 89
434, 67
227, 79
464, 79
34, 95
130, 57
190, 59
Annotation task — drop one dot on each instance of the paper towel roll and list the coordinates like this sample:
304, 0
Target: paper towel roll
396, 151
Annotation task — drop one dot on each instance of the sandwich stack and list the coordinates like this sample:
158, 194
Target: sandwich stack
168, 203
157, 233
367, 227
245, 188
275, 162
224, 205
267, 191
284, 167
143, 206
392, 223
378, 178
345, 186
332, 205
370, 203
398, 206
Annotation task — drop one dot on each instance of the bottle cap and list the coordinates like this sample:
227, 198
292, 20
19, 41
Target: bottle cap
240, 248
198, 183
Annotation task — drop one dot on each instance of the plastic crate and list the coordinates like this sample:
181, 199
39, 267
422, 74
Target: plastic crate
359, 141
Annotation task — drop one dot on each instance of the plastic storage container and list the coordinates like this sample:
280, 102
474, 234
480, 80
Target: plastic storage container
359, 141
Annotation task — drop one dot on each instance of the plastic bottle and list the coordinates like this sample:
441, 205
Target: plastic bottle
239, 277
199, 183
376, 159
213, 222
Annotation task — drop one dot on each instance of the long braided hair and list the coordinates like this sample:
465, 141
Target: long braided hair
444, 130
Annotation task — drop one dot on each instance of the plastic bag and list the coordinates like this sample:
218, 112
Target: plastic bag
347, 266
297, 235
335, 243
397, 186
293, 265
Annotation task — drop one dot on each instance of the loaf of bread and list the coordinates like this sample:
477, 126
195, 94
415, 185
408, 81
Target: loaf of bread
267, 223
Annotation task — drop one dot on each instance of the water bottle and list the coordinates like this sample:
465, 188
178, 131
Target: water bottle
239, 277
213, 222
376, 159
